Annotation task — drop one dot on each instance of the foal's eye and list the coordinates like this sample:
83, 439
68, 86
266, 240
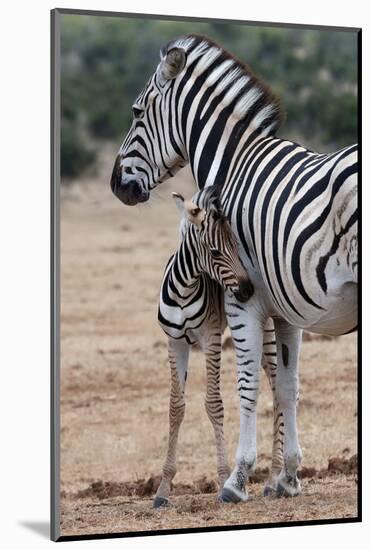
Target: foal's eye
215, 252
138, 112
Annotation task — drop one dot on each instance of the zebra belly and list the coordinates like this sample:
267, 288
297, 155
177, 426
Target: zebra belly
193, 336
197, 329
341, 312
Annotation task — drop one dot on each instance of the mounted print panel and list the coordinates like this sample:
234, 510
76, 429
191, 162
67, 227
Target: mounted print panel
205, 275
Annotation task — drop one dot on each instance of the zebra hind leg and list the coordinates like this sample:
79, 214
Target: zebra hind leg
178, 359
270, 487
287, 384
214, 404
270, 368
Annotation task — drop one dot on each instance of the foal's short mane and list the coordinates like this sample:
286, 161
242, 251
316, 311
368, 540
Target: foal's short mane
209, 199
267, 98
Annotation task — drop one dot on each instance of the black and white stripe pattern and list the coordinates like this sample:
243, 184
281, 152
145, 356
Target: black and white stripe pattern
207, 255
294, 213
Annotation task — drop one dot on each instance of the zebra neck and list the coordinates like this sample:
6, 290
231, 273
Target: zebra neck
220, 104
185, 274
213, 158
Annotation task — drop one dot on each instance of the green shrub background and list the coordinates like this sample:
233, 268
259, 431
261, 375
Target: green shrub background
106, 61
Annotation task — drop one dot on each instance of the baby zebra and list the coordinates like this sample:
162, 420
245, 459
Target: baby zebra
191, 310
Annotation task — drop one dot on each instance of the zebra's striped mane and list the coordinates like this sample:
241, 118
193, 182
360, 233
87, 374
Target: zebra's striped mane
256, 101
209, 199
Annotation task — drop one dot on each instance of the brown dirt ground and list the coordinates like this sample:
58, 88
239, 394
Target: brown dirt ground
115, 383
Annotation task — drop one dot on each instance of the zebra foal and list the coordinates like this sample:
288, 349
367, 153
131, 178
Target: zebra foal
191, 310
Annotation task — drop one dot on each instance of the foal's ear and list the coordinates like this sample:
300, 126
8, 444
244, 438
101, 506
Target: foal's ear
195, 214
179, 201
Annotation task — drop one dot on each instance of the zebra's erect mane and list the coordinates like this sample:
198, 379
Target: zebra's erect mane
209, 199
253, 94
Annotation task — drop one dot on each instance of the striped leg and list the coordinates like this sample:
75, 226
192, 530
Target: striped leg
247, 334
178, 358
214, 403
287, 386
270, 368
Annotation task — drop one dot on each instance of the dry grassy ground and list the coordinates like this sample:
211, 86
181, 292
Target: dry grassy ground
114, 388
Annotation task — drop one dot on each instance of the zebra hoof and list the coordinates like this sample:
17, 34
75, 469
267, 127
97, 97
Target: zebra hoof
281, 491
269, 491
284, 489
228, 496
161, 502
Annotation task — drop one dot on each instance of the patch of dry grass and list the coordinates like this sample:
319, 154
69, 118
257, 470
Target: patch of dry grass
114, 384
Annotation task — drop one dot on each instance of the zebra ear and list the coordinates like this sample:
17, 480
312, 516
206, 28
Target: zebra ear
195, 214
179, 201
172, 64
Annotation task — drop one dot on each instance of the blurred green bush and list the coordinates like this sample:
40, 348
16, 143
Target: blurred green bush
106, 61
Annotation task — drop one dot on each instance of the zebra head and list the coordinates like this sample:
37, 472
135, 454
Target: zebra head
151, 153
214, 242
196, 106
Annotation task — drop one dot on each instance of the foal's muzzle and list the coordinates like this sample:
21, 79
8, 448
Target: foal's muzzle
245, 290
127, 187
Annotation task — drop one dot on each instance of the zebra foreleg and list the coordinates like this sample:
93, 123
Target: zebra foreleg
178, 359
270, 369
247, 334
287, 387
214, 404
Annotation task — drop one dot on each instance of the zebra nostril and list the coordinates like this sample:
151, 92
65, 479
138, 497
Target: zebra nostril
136, 189
128, 171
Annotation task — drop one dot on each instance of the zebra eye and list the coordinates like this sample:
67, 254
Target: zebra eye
137, 112
215, 252
195, 211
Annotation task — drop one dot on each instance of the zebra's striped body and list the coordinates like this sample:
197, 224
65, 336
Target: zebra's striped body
293, 211
186, 314
297, 214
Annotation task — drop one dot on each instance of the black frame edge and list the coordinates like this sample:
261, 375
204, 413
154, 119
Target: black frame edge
55, 277
215, 529
72, 11
359, 336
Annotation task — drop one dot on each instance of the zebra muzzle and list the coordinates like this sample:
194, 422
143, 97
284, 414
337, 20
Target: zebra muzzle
129, 190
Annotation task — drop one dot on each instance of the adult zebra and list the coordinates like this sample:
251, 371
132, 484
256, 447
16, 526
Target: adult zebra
294, 212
